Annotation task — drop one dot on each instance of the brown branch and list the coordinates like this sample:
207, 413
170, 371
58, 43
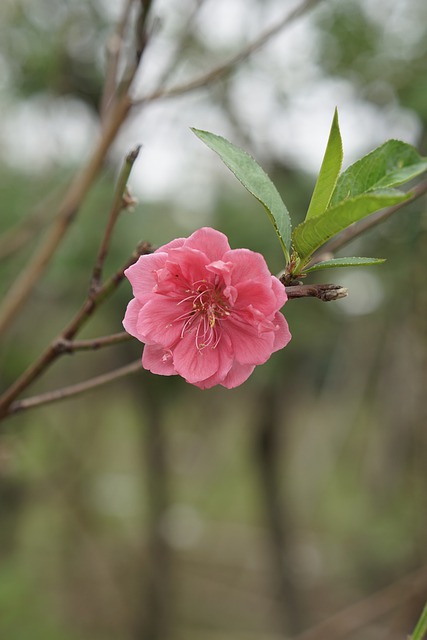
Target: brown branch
71, 346
356, 229
226, 67
180, 47
64, 216
54, 350
119, 203
324, 292
79, 187
114, 51
73, 390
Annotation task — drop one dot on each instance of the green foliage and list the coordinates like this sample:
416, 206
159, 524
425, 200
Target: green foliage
420, 631
337, 202
256, 181
329, 172
344, 262
313, 233
390, 165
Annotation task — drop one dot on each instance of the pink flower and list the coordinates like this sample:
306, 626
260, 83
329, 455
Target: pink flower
204, 311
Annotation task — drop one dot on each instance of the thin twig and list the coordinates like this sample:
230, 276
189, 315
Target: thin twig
79, 187
114, 51
356, 229
74, 389
64, 216
226, 67
324, 292
71, 346
119, 203
180, 47
53, 351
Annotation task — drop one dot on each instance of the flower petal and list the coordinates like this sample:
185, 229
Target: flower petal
251, 344
173, 244
279, 291
225, 363
158, 360
282, 335
238, 374
254, 294
195, 364
248, 265
184, 267
141, 275
212, 242
158, 320
130, 321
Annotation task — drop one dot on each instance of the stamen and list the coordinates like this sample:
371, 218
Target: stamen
208, 307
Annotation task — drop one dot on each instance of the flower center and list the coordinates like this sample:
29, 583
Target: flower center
208, 307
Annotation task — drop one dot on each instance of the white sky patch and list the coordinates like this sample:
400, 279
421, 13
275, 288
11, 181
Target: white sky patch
42, 132
284, 104
299, 132
224, 23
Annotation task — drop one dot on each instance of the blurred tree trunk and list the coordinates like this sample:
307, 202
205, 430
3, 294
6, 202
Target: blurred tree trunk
268, 441
153, 620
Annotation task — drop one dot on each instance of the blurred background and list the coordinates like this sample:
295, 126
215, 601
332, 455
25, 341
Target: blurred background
295, 505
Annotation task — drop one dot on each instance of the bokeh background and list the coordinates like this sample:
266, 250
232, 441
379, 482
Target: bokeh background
152, 510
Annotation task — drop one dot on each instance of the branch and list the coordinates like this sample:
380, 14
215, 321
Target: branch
176, 55
64, 216
53, 351
114, 50
119, 203
72, 390
324, 292
79, 187
71, 346
224, 68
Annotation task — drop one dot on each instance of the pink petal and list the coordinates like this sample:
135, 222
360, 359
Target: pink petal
248, 265
225, 363
158, 360
193, 364
279, 291
254, 294
213, 243
130, 321
282, 335
158, 320
221, 268
173, 244
186, 266
238, 374
251, 344
141, 275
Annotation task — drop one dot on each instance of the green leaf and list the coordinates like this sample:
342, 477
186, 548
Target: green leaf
334, 263
420, 631
256, 181
311, 234
387, 166
329, 172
